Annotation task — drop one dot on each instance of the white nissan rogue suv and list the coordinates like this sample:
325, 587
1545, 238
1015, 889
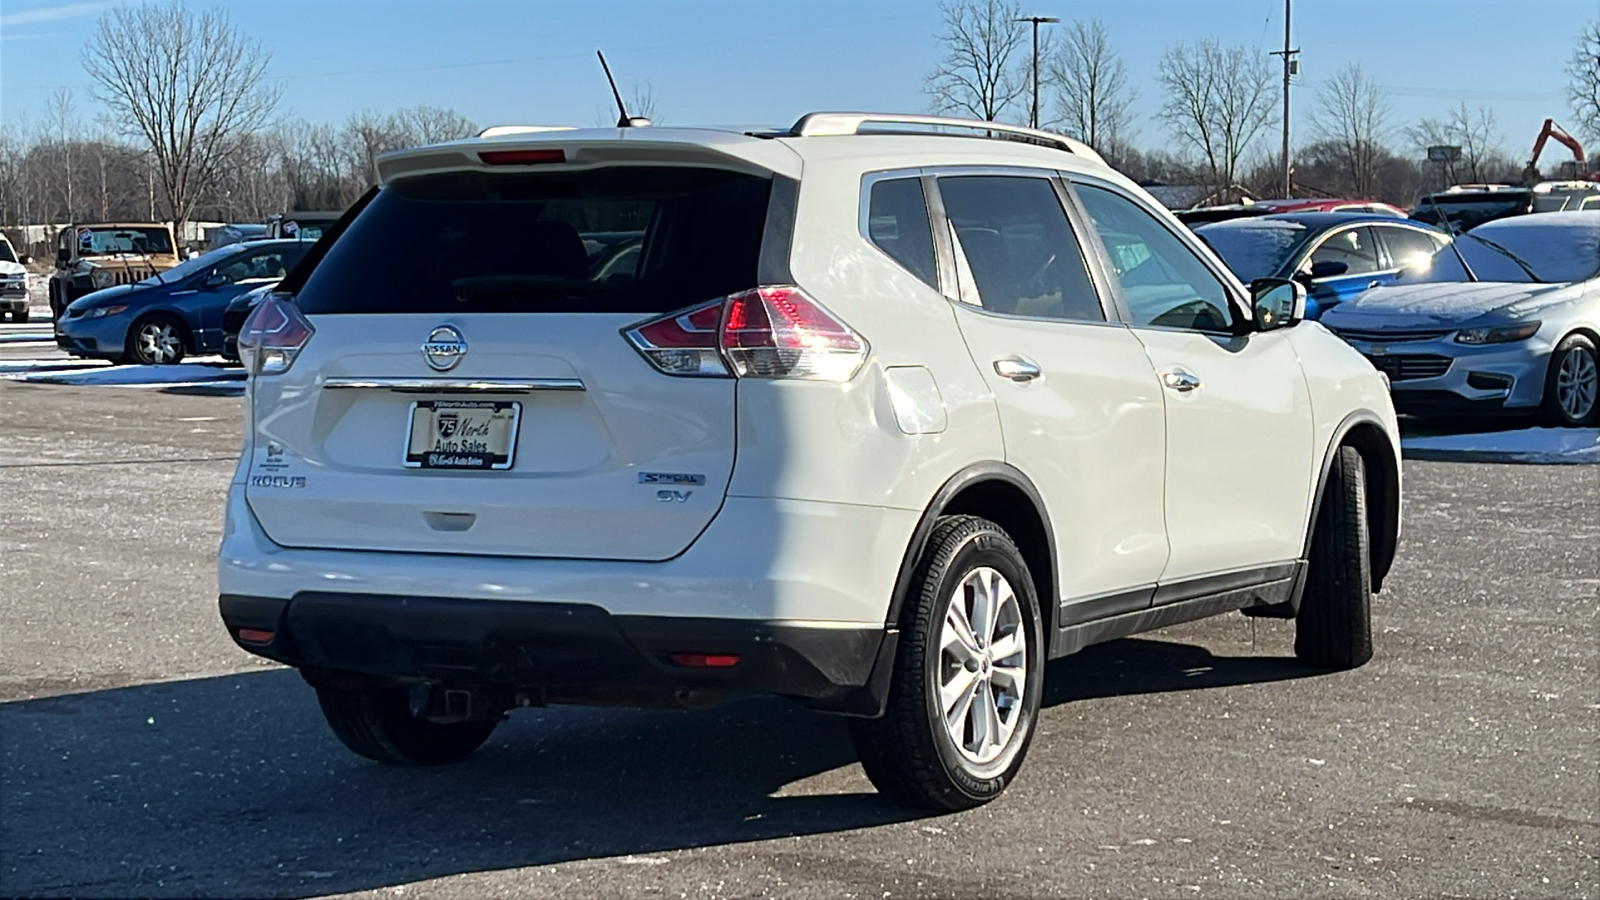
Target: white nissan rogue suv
879, 413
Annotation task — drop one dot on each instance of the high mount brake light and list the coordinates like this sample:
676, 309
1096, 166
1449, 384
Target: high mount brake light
273, 336
522, 157
769, 332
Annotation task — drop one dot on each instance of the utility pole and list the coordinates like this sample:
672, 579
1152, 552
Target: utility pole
1033, 120
1291, 66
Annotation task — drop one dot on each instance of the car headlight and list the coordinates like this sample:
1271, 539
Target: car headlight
100, 278
99, 311
1503, 335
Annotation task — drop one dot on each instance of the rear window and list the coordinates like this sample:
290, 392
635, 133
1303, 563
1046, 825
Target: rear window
634, 240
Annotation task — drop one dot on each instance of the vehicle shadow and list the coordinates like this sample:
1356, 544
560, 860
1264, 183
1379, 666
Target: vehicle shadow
232, 786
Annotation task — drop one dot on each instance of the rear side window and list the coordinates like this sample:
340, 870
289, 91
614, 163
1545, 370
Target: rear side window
897, 222
1018, 247
628, 240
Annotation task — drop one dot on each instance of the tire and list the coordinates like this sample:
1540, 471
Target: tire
909, 753
155, 341
1572, 387
20, 316
377, 723
1333, 629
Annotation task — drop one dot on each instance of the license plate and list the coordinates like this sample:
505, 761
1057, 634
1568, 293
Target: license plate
463, 434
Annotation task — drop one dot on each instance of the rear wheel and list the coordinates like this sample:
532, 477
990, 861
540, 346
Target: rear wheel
1334, 626
20, 316
377, 723
968, 674
155, 341
1572, 388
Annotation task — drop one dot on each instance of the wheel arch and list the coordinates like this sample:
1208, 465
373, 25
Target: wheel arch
1365, 432
1000, 493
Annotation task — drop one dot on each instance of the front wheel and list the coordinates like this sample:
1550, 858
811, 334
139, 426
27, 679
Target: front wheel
377, 723
154, 342
1572, 389
969, 674
1334, 626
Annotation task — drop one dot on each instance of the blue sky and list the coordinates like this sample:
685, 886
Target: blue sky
761, 61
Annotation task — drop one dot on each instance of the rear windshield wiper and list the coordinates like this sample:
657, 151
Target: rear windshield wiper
1521, 263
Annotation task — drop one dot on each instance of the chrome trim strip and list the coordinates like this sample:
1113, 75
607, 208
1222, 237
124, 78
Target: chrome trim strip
456, 385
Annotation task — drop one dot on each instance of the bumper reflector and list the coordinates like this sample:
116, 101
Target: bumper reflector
255, 636
705, 660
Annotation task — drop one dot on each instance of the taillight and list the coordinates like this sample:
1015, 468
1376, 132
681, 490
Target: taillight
272, 336
684, 343
769, 332
779, 332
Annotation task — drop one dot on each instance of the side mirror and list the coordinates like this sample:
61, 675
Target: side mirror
1328, 268
215, 280
1277, 303
63, 256
25, 260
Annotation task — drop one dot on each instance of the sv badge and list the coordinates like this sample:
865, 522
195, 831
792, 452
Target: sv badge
673, 496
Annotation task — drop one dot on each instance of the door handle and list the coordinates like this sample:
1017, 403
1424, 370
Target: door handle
1181, 380
1017, 369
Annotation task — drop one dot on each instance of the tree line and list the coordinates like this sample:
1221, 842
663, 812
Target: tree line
1220, 107
191, 126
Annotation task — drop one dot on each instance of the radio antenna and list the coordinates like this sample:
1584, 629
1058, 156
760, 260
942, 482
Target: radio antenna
623, 119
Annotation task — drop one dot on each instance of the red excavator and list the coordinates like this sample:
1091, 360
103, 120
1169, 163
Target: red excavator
1552, 130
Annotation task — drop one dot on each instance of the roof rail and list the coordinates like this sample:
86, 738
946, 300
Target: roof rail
841, 123
498, 130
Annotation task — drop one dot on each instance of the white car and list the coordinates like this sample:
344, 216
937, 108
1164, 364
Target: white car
879, 413
13, 282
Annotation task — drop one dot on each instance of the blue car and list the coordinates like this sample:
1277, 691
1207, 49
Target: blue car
1337, 256
174, 313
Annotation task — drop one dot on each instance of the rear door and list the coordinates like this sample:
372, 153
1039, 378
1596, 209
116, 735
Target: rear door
1080, 407
468, 388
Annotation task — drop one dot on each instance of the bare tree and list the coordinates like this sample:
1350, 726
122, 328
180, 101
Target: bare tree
979, 76
643, 103
1476, 132
1093, 100
1352, 115
61, 121
1219, 100
189, 85
1583, 81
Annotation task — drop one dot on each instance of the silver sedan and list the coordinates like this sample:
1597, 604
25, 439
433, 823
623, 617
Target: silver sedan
1505, 320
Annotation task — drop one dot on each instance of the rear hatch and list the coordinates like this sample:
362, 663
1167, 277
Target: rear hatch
468, 387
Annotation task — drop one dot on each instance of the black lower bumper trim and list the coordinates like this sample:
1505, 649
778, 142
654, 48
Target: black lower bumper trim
565, 652
1441, 404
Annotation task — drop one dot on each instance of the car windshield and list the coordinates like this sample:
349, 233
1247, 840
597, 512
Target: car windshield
191, 266
1554, 248
1254, 248
124, 240
6, 253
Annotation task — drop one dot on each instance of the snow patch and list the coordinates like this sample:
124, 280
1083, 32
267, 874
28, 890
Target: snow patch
180, 375
1529, 445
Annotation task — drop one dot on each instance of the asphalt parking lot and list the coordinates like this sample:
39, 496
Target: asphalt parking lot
142, 754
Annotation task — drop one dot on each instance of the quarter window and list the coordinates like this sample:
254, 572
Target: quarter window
1017, 248
897, 222
1163, 281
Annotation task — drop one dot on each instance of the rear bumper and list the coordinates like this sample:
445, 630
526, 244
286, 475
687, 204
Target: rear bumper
566, 652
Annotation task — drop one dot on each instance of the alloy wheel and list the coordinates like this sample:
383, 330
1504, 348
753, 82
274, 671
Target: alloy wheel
1577, 384
159, 343
983, 660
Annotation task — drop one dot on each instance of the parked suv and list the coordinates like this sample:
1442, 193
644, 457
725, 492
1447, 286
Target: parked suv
879, 413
